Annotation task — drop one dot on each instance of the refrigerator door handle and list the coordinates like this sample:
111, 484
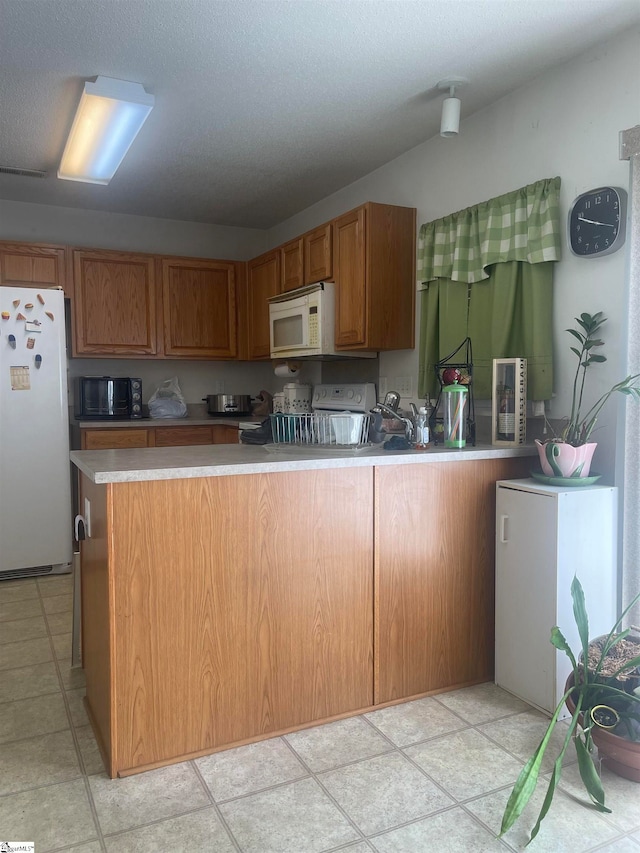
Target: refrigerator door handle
503, 529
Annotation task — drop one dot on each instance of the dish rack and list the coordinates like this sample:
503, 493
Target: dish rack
321, 429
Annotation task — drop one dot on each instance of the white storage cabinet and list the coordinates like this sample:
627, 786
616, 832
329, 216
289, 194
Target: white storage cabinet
544, 536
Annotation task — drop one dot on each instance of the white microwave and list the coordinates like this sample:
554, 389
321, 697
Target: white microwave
302, 324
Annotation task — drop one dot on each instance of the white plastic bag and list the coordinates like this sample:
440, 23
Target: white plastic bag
167, 401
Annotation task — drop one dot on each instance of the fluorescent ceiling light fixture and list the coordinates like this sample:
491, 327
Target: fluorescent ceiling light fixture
108, 118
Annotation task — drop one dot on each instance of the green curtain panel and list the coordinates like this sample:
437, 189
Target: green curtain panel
494, 286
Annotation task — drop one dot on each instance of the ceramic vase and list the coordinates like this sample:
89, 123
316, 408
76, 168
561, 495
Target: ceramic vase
559, 459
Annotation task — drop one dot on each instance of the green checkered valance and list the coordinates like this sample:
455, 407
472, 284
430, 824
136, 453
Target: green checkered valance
523, 225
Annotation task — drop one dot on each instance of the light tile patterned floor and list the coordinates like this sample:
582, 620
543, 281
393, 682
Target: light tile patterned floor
430, 776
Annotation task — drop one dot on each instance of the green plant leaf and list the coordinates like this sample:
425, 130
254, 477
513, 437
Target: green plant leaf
575, 334
558, 640
580, 615
548, 797
589, 776
594, 357
577, 351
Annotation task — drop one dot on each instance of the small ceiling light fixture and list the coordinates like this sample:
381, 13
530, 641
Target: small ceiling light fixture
108, 118
450, 121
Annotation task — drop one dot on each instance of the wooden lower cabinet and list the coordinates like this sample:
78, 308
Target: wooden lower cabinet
173, 436
222, 609
434, 574
105, 439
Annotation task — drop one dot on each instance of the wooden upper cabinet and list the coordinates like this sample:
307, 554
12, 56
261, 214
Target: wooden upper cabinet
263, 281
306, 259
351, 289
115, 303
199, 308
34, 265
374, 249
291, 265
318, 260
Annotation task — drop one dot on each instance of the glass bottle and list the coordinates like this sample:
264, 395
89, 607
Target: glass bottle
422, 429
507, 415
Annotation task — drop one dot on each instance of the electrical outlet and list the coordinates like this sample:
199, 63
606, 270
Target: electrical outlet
219, 386
403, 385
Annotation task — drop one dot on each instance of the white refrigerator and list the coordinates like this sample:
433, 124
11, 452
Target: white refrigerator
35, 485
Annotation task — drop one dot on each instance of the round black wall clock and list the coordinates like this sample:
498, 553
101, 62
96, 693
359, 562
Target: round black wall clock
597, 222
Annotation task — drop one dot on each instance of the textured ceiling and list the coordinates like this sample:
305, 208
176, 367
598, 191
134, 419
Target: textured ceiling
263, 107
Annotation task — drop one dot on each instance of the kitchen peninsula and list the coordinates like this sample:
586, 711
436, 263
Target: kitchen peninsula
230, 593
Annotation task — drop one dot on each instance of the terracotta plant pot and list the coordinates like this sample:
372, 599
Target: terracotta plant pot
559, 459
618, 754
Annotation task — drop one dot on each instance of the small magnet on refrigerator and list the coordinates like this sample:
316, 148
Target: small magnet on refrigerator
12, 341
5, 315
28, 305
16, 302
38, 361
31, 342
33, 326
49, 314
40, 299
20, 316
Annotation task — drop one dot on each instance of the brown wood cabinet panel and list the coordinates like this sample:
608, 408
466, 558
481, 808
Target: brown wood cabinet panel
182, 436
263, 281
318, 254
98, 618
104, 439
199, 306
391, 276
374, 269
225, 434
350, 272
115, 303
34, 265
235, 613
434, 574
291, 261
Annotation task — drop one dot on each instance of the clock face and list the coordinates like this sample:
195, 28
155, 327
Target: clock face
597, 222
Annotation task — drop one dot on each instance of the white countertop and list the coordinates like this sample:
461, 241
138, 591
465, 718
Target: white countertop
222, 460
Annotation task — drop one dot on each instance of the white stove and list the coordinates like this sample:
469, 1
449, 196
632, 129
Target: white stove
356, 397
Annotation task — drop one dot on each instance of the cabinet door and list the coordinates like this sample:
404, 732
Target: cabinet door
526, 583
223, 434
350, 274
31, 265
115, 303
318, 260
199, 307
291, 265
263, 281
182, 436
106, 439
434, 574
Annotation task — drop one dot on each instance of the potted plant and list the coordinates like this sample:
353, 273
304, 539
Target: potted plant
599, 699
569, 455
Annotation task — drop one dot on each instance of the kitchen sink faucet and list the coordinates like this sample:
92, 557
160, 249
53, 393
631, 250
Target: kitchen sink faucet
408, 423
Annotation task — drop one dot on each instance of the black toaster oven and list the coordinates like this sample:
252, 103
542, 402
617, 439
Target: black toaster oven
108, 397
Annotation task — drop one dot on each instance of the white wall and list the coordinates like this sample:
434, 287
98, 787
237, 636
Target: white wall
565, 123
96, 229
